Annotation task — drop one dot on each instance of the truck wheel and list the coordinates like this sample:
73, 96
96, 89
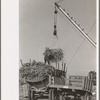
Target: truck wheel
87, 98
60, 97
63, 97
57, 95
51, 94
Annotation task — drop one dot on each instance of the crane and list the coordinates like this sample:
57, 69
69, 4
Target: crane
56, 86
74, 23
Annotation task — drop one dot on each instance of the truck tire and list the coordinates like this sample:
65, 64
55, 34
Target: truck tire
31, 95
51, 94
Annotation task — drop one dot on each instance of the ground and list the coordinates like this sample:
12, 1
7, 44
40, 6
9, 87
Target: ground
21, 98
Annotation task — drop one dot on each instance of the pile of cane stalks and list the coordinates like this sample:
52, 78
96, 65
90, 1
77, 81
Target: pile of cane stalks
53, 55
36, 71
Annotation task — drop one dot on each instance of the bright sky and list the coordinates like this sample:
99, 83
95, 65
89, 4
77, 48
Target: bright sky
36, 20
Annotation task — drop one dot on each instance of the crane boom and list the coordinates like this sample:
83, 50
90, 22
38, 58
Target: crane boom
73, 22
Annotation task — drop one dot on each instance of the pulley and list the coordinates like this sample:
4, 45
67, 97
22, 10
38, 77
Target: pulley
55, 22
55, 31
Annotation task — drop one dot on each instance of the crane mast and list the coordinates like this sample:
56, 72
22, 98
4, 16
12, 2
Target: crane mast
77, 26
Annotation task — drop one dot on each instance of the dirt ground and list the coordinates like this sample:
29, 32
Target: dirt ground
21, 98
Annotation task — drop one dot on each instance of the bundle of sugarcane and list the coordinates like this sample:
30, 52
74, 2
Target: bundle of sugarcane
35, 70
53, 55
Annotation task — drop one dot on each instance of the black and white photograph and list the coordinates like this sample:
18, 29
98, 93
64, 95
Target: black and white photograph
57, 50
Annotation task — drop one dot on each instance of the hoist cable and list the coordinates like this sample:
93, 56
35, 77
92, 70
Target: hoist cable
91, 27
75, 53
55, 19
90, 31
79, 47
55, 16
55, 23
59, 1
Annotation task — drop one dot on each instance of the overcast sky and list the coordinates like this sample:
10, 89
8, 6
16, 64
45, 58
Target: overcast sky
36, 19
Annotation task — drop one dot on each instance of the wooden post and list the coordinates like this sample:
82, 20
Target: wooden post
32, 95
58, 65
29, 94
50, 79
25, 90
62, 66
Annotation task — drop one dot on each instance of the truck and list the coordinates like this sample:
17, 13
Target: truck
58, 87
